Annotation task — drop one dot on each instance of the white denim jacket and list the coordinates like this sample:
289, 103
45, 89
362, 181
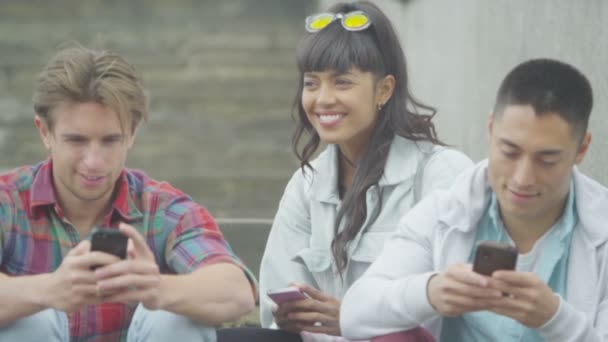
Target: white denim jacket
299, 245
440, 231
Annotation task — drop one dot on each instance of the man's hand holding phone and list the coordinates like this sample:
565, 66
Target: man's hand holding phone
135, 279
316, 313
73, 284
462, 288
531, 302
459, 290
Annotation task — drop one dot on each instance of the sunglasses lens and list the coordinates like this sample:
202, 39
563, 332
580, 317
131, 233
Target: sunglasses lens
356, 21
318, 22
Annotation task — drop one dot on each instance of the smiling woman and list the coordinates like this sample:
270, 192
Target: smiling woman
382, 157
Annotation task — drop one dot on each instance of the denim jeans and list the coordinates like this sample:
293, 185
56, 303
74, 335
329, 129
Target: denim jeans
146, 325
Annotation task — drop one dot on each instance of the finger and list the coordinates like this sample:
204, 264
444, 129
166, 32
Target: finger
129, 295
508, 289
130, 249
129, 266
80, 249
471, 291
96, 258
300, 305
129, 281
514, 278
464, 273
139, 243
310, 318
314, 293
316, 329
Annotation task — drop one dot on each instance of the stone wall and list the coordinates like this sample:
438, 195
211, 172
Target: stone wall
459, 51
221, 75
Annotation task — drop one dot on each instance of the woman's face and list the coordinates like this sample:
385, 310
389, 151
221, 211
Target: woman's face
342, 107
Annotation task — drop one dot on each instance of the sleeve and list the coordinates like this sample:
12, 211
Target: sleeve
391, 295
6, 219
569, 324
196, 240
442, 168
290, 233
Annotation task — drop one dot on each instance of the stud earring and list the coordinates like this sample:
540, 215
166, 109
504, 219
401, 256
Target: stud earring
379, 106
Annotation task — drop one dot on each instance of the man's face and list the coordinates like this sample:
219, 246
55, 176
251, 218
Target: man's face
530, 162
88, 149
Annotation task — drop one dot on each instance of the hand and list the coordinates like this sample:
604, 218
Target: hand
318, 314
458, 290
529, 301
73, 284
136, 279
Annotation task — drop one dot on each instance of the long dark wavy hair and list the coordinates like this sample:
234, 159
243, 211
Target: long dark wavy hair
376, 50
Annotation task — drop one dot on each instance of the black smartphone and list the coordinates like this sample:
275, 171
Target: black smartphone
491, 256
109, 240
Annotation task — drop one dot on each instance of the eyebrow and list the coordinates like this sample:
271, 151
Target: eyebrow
547, 152
333, 74
80, 136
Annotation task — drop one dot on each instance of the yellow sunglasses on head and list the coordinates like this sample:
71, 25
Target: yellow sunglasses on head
351, 21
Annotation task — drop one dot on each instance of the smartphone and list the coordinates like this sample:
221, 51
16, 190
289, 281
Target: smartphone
109, 240
491, 256
285, 295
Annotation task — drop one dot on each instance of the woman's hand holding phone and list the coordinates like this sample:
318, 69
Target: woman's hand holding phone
318, 313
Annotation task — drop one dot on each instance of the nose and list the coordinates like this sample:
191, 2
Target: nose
523, 175
93, 157
326, 96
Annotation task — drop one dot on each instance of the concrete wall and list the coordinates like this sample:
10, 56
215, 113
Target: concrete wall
459, 51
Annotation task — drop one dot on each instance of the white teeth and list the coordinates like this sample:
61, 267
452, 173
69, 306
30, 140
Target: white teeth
91, 178
329, 118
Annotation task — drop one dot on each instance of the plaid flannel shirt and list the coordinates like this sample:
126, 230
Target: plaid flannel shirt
35, 236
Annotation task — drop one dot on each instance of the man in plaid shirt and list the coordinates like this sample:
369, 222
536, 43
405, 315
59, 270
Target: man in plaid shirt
180, 277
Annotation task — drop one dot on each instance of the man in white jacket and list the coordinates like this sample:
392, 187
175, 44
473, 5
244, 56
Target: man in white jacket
529, 194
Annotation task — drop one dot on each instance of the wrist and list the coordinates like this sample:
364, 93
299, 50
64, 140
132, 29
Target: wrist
166, 297
42, 290
429, 291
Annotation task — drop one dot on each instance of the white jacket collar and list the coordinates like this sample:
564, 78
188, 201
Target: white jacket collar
402, 162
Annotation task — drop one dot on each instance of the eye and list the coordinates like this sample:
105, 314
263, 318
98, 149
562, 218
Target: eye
112, 140
341, 81
76, 140
509, 154
309, 83
548, 163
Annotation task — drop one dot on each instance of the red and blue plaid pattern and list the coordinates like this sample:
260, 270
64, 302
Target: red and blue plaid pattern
35, 236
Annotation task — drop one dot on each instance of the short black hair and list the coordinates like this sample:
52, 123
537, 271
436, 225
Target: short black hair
549, 86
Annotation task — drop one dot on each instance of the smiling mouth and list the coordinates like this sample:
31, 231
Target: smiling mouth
523, 194
91, 178
329, 118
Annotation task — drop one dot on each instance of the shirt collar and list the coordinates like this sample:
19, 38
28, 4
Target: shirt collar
402, 163
42, 194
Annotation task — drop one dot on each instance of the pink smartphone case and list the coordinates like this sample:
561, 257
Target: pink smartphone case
286, 296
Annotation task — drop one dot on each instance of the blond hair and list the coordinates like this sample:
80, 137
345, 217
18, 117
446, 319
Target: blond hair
78, 74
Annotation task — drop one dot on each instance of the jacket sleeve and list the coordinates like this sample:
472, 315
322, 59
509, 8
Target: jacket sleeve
569, 324
290, 233
391, 295
441, 169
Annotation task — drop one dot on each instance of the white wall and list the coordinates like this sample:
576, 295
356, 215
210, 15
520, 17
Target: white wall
459, 51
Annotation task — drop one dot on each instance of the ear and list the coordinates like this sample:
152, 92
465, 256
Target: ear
44, 131
583, 148
384, 89
490, 126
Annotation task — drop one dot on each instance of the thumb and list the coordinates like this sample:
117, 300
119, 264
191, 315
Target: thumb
314, 293
82, 248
